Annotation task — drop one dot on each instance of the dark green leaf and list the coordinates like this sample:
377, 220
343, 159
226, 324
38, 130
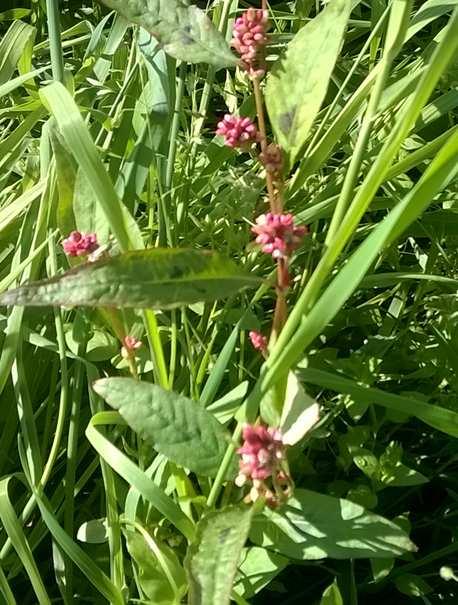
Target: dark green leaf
412, 585
211, 562
155, 278
394, 473
184, 31
381, 568
314, 526
298, 82
178, 427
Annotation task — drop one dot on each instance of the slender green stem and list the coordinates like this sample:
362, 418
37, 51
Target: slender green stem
157, 351
114, 530
63, 401
224, 467
206, 92
72, 463
55, 42
5, 589
167, 236
173, 347
175, 126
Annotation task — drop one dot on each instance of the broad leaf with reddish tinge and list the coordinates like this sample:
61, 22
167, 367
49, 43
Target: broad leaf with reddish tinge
185, 32
299, 79
143, 279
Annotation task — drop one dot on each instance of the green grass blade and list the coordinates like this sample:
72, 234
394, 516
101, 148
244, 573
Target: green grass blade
20, 544
94, 574
133, 475
438, 417
291, 344
79, 141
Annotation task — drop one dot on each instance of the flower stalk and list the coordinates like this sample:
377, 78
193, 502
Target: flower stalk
262, 453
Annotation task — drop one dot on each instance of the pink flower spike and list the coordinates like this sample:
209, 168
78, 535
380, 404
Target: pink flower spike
80, 244
261, 450
258, 341
237, 131
277, 234
250, 38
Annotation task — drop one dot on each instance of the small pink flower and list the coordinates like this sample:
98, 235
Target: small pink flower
250, 38
130, 345
258, 341
261, 451
237, 131
277, 234
80, 244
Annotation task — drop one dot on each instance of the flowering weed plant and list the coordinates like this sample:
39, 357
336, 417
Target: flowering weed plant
228, 302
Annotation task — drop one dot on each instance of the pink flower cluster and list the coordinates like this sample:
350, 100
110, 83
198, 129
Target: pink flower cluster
80, 244
250, 38
263, 463
277, 234
258, 341
237, 131
261, 451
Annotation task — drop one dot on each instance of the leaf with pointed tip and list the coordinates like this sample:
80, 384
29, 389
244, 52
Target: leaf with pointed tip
177, 427
211, 561
299, 79
143, 279
185, 32
314, 526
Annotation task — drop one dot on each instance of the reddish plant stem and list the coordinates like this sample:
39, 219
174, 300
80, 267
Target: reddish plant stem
281, 309
274, 202
276, 207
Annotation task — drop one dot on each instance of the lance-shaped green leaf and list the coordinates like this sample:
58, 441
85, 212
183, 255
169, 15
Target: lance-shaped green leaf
299, 79
211, 562
184, 31
178, 427
155, 279
315, 526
